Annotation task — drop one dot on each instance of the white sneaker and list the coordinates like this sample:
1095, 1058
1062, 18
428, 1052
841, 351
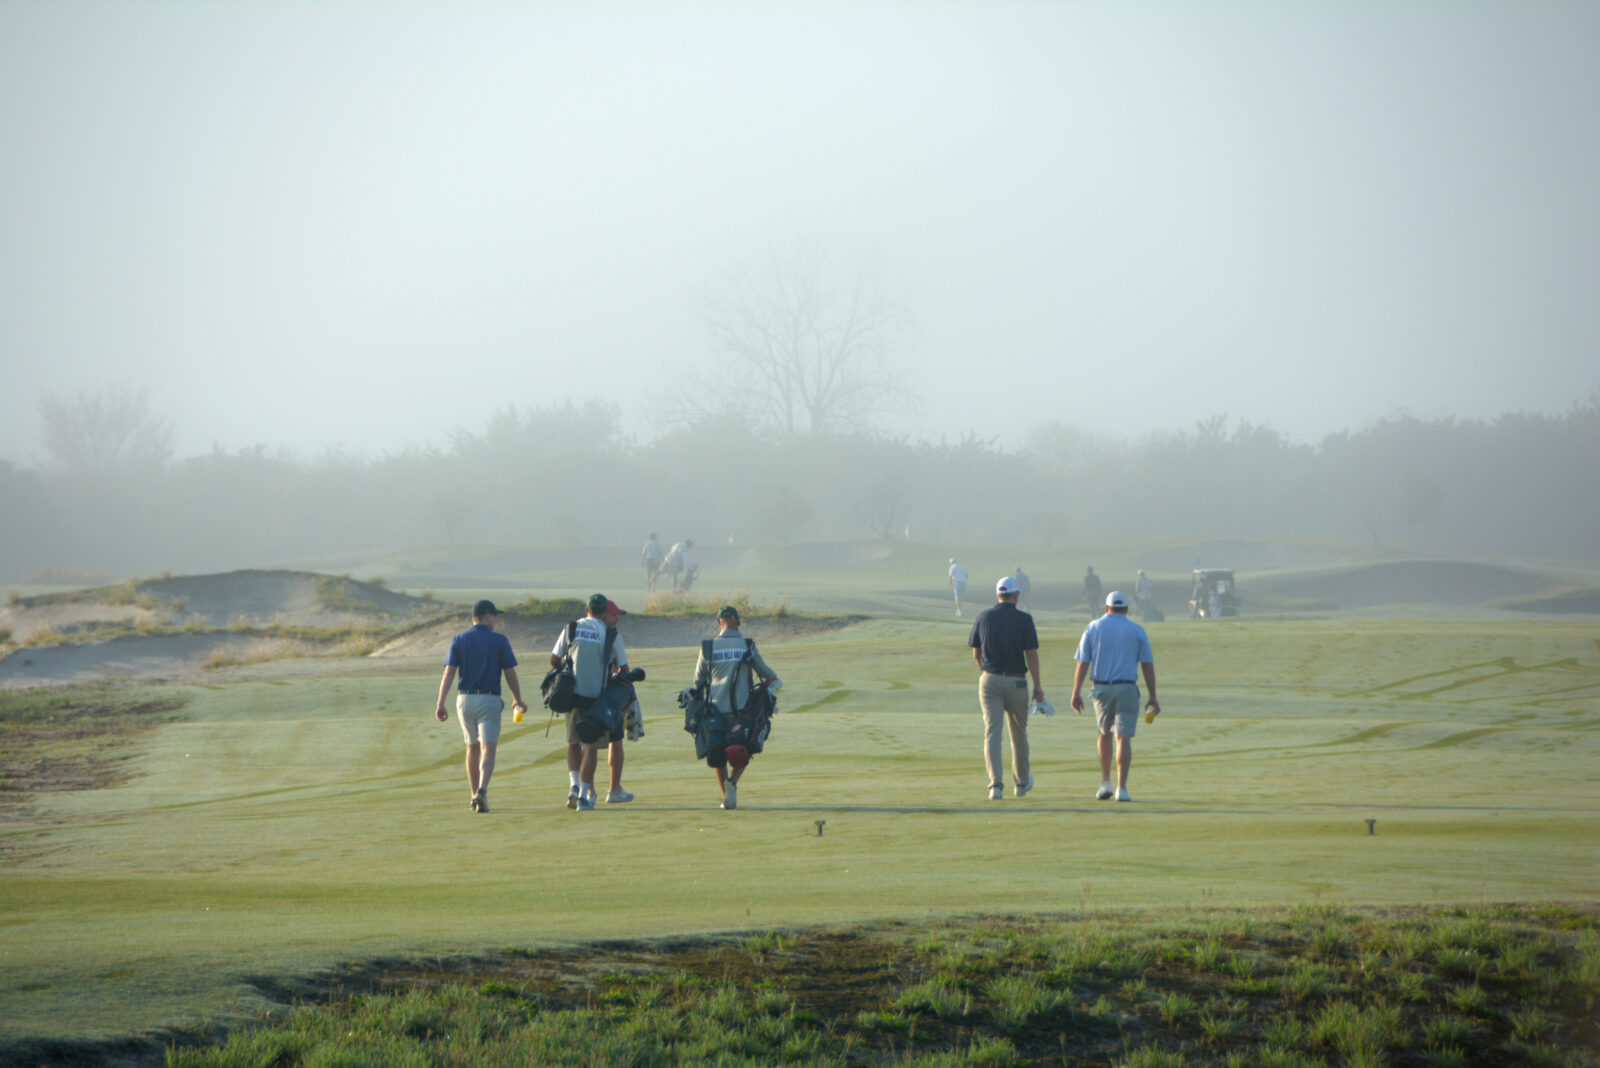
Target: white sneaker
995, 793
1024, 787
730, 796
618, 796
1122, 794
572, 797
1105, 792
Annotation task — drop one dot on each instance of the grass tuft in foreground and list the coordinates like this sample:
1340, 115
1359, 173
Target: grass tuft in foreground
990, 992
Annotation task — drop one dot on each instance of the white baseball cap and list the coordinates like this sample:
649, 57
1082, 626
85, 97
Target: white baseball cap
1006, 585
1116, 599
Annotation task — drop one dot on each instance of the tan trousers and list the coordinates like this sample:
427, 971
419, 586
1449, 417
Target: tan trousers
1004, 700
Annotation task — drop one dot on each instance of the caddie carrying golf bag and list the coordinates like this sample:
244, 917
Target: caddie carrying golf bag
560, 686
713, 730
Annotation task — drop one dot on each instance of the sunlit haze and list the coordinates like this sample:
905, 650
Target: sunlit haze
363, 226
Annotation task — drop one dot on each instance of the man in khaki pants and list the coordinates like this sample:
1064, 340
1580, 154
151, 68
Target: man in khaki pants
1006, 647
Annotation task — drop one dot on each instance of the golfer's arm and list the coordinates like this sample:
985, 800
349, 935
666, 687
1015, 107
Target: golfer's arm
444, 684
1032, 656
1077, 676
1149, 679
976, 659
516, 687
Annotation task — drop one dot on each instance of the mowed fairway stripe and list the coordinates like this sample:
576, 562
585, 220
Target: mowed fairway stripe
292, 823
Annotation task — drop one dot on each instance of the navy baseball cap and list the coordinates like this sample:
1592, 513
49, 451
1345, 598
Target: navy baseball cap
484, 608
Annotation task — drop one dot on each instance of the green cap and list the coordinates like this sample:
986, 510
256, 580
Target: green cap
728, 612
598, 603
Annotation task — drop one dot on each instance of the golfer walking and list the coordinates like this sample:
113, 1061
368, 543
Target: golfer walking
650, 557
1006, 647
1113, 650
480, 657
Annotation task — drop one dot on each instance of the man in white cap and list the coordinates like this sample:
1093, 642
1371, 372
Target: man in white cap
1111, 647
958, 582
1006, 647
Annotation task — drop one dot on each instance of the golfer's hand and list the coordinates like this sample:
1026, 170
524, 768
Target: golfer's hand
1038, 693
441, 714
1154, 706
519, 704
1077, 703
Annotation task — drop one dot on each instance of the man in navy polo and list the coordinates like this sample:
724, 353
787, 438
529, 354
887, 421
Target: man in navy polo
480, 656
1006, 648
1117, 649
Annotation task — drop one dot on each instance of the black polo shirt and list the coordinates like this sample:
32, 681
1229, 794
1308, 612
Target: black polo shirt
1001, 635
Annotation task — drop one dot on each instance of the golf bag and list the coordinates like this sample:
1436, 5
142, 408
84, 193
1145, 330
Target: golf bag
749, 726
688, 578
605, 717
560, 686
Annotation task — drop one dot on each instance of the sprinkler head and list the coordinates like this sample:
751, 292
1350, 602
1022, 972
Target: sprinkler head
1372, 826
819, 824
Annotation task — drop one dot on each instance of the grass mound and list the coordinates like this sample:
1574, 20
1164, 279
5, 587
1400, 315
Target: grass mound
1309, 986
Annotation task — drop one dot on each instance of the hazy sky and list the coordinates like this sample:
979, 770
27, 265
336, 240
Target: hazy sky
363, 225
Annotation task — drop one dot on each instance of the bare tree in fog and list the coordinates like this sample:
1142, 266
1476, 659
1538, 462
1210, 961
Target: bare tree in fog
100, 431
806, 346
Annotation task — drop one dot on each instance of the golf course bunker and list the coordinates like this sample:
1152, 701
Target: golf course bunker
185, 625
144, 658
1241, 555
1419, 582
536, 634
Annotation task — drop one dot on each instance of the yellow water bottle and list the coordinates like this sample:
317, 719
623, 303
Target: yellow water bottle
516, 714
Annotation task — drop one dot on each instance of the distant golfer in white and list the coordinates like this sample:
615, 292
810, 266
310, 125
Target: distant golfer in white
958, 582
1111, 646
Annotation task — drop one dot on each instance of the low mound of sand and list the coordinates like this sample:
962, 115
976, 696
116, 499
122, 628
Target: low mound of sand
1402, 582
1238, 553
532, 637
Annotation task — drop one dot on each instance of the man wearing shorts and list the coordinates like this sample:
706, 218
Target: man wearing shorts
958, 582
591, 668
480, 657
650, 557
1108, 653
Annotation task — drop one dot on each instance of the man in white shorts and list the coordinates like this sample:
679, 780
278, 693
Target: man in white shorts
1116, 649
958, 582
480, 657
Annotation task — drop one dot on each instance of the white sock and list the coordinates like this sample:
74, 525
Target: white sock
572, 776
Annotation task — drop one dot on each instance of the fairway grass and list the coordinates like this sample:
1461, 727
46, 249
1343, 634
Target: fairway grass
291, 821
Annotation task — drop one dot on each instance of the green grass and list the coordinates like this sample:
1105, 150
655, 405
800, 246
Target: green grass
313, 814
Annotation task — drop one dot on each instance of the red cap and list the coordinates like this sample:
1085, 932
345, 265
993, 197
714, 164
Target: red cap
611, 606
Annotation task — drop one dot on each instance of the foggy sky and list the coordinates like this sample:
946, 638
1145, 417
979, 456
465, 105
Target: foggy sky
363, 225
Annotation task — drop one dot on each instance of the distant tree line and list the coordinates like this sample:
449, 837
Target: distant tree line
1519, 486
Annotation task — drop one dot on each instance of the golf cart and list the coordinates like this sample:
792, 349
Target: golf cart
1213, 595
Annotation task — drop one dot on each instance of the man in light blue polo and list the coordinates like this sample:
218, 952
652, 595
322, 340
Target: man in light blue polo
480, 657
1113, 650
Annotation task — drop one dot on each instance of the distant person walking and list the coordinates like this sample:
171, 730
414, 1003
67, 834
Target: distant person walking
725, 674
1091, 591
958, 582
597, 653
1005, 646
480, 656
1024, 587
676, 561
1113, 650
650, 557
